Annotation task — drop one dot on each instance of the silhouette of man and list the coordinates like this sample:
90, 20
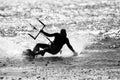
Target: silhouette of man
55, 46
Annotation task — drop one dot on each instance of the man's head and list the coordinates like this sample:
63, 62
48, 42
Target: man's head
63, 32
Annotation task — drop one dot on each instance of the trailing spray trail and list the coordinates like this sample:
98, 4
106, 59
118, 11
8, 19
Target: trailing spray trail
10, 49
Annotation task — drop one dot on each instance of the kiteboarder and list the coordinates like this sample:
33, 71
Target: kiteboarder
56, 45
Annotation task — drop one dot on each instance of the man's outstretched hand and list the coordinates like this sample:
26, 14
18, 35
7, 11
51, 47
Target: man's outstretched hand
75, 54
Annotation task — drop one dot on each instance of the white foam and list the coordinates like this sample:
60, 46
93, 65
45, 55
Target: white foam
10, 49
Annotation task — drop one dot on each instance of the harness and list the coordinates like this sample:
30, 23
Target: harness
54, 49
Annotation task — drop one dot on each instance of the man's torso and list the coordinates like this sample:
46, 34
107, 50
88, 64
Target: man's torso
58, 42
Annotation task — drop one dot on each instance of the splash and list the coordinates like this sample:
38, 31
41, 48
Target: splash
81, 41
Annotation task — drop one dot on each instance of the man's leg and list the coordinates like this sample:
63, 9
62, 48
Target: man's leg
42, 52
38, 46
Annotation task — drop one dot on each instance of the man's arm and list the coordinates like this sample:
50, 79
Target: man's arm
69, 46
47, 34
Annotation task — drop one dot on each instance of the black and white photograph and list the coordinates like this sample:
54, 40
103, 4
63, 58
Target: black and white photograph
59, 39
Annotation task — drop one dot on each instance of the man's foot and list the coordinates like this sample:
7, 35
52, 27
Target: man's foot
29, 53
33, 55
75, 54
41, 53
